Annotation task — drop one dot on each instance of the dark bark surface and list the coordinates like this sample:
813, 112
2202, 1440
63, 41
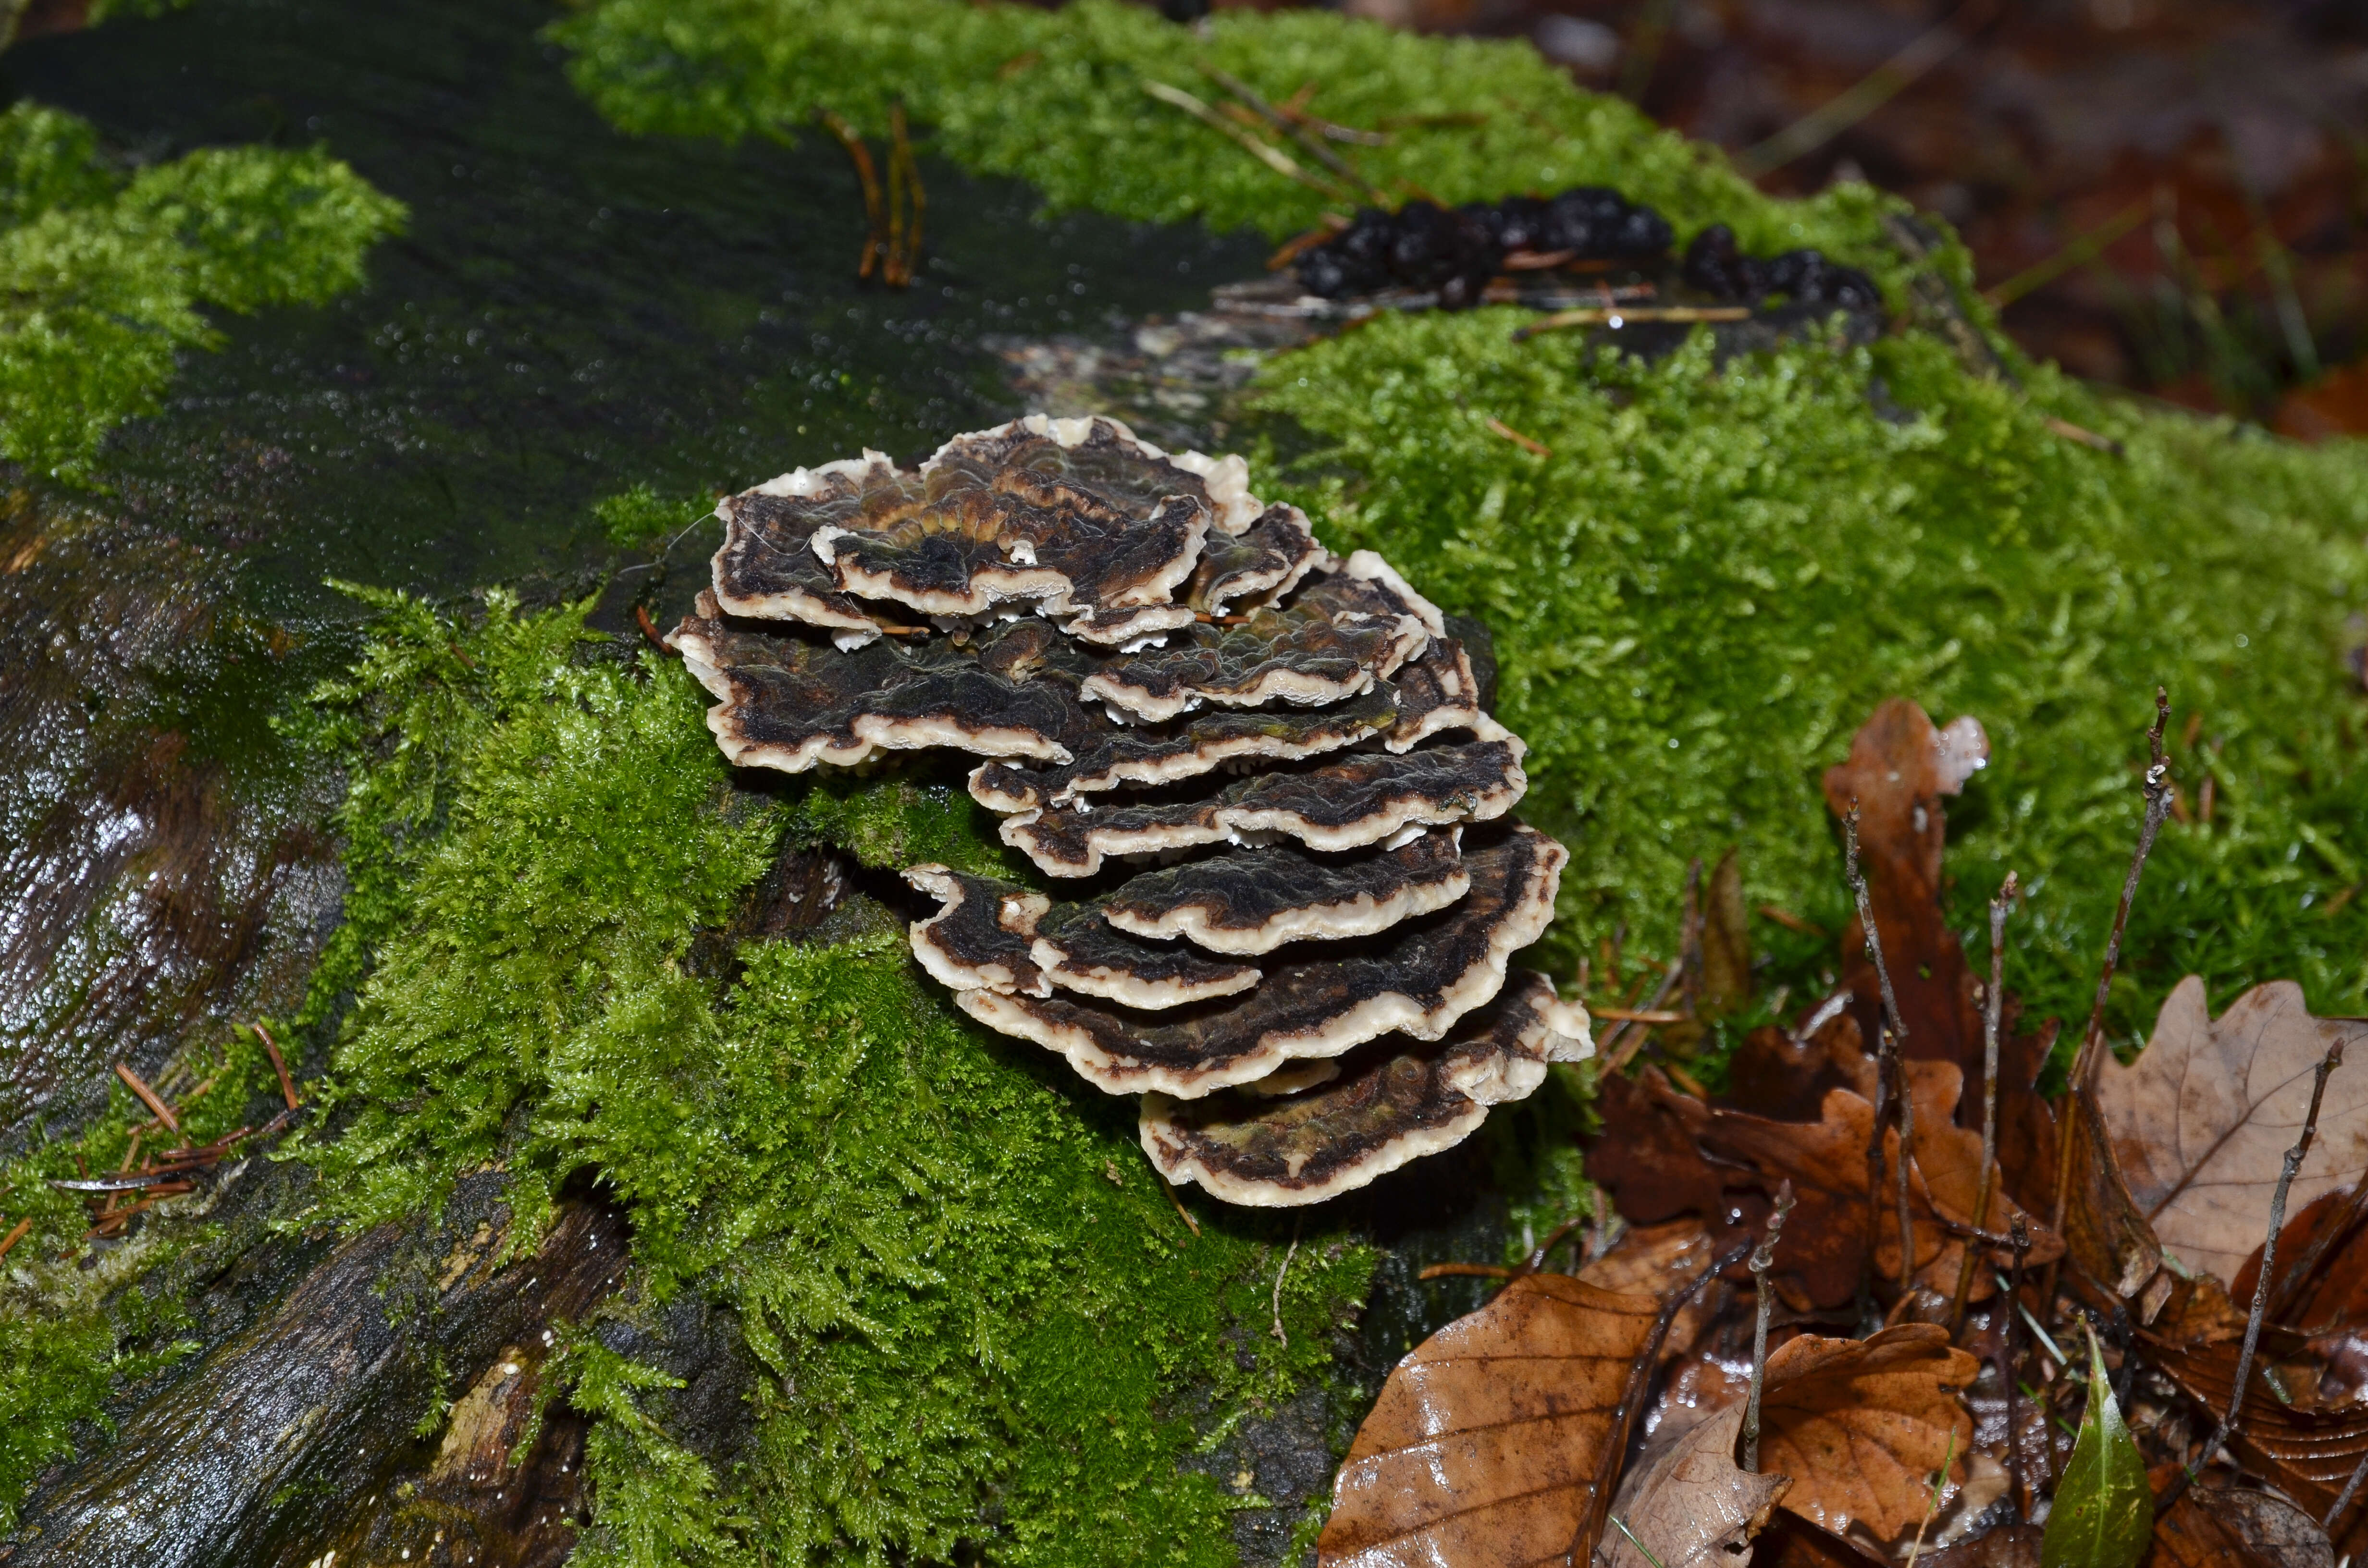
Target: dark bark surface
260, 1453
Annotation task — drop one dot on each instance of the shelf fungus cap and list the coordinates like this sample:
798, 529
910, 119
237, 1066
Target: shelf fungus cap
1259, 776
788, 699
1392, 1103
1417, 978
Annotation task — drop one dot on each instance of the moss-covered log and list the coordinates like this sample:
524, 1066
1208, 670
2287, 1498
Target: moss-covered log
296, 1436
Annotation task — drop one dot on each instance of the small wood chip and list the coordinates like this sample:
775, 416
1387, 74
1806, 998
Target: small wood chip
1464, 1270
1792, 922
279, 1064
163, 1112
1181, 1212
2071, 432
1528, 444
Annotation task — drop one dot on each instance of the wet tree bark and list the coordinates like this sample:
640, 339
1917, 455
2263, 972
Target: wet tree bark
299, 1433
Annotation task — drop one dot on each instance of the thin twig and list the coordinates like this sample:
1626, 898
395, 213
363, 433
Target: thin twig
1878, 87
1554, 1238
1597, 315
1278, 1287
915, 193
1311, 144
2157, 806
271, 1046
1273, 157
904, 255
2012, 1370
1527, 443
156, 1108
1637, 1015
1623, 1044
2084, 435
1465, 1271
875, 239
16, 1234
1295, 107
1181, 1212
1893, 1051
892, 259
2342, 1499
1763, 1258
1792, 922
1990, 1008
2294, 1157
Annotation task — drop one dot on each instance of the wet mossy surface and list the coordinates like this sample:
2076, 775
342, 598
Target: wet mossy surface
902, 1291
978, 1316
1722, 569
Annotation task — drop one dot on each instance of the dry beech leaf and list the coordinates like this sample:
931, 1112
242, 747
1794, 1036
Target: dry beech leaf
2009, 1545
2306, 1454
1860, 1425
2202, 1121
1900, 766
1496, 1440
1820, 1258
2213, 1528
1651, 1158
1692, 1505
1791, 1541
1652, 1260
2322, 1266
2106, 1236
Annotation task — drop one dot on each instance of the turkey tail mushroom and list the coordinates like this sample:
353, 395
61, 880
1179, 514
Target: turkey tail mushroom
1284, 886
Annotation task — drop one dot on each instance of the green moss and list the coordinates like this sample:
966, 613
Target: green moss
1718, 574
1057, 98
640, 516
977, 1310
104, 271
79, 1317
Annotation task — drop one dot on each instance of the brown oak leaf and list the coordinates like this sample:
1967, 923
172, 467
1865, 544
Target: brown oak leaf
1823, 1251
1899, 768
2307, 1453
1691, 1504
2223, 1528
2322, 1265
2109, 1241
2202, 1121
1497, 1439
2009, 1545
1861, 1424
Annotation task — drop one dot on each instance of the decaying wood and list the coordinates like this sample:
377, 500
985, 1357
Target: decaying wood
279, 1442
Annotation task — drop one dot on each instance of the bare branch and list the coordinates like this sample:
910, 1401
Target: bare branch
1991, 1006
2159, 794
2012, 1370
1890, 1058
2294, 1157
1762, 1258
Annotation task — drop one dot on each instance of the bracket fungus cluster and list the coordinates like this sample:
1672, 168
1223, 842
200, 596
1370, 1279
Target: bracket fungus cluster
1257, 775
